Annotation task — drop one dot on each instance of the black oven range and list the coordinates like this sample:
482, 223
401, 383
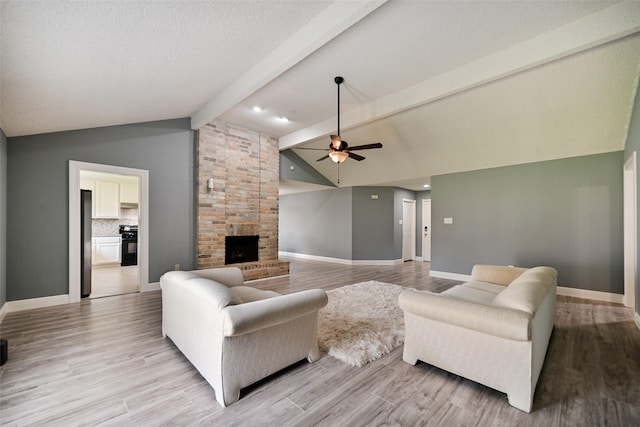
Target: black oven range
129, 235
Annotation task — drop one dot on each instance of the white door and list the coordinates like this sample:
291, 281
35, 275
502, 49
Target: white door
426, 230
408, 230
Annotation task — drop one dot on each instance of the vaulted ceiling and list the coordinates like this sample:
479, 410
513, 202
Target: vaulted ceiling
446, 86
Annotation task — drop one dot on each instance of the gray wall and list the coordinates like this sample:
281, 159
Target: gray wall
563, 213
37, 214
3, 218
344, 223
373, 220
302, 171
633, 144
316, 223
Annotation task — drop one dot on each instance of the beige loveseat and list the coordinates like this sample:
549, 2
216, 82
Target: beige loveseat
236, 335
494, 329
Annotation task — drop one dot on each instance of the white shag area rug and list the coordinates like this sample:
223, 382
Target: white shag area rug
361, 322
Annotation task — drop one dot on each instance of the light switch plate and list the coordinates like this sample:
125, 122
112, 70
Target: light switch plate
448, 220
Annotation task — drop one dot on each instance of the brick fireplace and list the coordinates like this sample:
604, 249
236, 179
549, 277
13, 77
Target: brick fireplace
243, 166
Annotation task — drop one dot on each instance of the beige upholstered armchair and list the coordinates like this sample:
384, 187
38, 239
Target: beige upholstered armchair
233, 334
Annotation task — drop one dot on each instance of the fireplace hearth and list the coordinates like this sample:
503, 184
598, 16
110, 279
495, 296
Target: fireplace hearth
238, 249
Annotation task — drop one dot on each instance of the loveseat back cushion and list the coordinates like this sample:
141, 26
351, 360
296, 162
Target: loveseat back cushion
523, 295
544, 275
498, 274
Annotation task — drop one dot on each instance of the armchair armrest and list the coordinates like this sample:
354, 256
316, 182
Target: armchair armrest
498, 321
245, 318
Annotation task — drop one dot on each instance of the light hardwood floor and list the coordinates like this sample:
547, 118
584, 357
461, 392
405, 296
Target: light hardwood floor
114, 280
104, 362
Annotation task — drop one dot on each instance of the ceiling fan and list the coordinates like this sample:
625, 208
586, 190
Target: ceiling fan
338, 149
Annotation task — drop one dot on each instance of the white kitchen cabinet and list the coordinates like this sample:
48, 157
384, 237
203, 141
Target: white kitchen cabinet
107, 196
106, 250
129, 192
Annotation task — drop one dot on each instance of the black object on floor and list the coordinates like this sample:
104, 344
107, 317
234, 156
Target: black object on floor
4, 351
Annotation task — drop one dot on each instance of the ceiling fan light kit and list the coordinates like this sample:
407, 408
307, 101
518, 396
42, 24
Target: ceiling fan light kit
338, 156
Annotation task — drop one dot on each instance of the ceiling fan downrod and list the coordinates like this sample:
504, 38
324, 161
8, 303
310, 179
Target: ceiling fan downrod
339, 80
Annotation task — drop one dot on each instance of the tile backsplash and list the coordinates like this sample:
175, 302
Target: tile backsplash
111, 227
105, 227
129, 216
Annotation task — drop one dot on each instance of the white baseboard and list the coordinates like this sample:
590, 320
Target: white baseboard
450, 276
3, 310
376, 262
266, 278
29, 304
339, 260
150, 287
314, 257
587, 294
636, 318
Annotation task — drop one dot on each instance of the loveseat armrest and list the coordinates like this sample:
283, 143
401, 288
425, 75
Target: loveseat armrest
498, 274
497, 321
249, 317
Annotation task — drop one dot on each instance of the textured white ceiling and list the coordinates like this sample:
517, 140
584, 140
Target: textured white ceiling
80, 64
445, 85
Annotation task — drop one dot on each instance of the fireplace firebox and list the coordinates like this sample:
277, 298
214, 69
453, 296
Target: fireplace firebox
240, 249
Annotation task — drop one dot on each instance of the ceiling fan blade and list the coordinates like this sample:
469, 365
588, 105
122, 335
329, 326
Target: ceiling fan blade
322, 158
366, 146
357, 157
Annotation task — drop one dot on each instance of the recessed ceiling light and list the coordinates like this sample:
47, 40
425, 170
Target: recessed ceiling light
257, 109
426, 186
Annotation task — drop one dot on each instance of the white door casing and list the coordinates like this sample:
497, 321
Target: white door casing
408, 230
426, 230
74, 220
630, 230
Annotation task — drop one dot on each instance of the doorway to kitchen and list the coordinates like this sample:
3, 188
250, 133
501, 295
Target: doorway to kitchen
119, 208
112, 265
